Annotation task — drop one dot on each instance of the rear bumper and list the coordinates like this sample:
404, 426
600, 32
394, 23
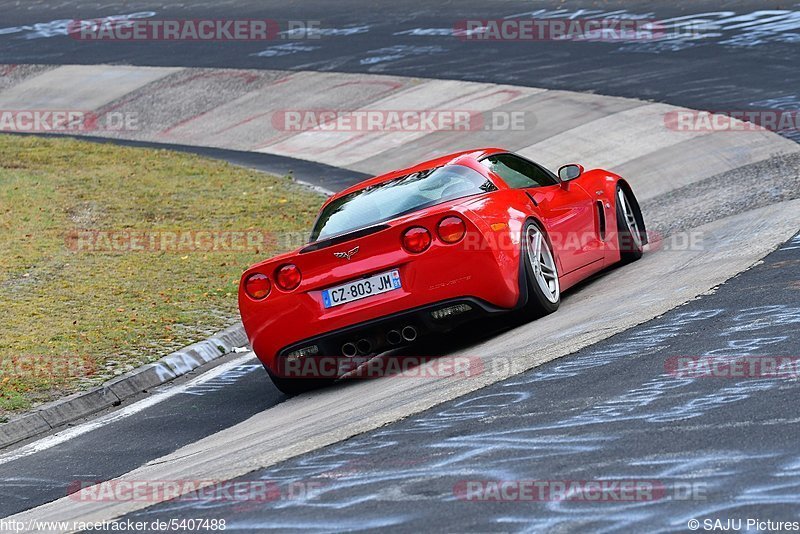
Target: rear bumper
476, 270
283, 321
376, 331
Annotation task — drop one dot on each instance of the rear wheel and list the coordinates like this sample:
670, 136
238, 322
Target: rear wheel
544, 289
630, 233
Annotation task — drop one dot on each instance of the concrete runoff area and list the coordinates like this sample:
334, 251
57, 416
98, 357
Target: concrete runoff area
246, 111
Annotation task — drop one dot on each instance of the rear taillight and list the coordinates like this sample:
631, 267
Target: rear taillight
257, 286
288, 277
416, 239
451, 230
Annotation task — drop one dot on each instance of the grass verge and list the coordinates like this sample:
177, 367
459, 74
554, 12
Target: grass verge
112, 257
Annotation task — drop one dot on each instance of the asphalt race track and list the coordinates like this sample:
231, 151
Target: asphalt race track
612, 411
742, 58
118, 448
608, 410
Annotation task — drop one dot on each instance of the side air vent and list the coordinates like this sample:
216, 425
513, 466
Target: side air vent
601, 218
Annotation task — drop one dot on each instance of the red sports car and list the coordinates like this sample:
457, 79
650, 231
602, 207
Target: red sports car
423, 249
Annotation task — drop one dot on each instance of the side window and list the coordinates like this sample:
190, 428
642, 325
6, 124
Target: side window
517, 172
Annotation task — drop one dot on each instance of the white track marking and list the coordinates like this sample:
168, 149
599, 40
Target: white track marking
70, 433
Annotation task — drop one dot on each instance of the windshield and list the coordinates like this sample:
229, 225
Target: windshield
384, 201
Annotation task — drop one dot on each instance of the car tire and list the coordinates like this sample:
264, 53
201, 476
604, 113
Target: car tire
631, 235
541, 272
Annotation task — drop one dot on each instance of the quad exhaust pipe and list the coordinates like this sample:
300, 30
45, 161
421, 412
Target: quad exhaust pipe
394, 337
362, 346
365, 346
409, 333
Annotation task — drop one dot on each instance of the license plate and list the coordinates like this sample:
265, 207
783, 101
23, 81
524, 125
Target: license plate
361, 289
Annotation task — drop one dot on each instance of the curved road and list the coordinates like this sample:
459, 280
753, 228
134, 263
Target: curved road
722, 448
738, 54
609, 417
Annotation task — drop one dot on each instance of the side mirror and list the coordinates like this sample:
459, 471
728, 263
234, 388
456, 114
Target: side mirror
570, 172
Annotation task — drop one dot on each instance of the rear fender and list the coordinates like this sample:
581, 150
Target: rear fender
501, 218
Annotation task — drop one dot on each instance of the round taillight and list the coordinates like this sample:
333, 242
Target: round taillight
257, 286
416, 239
288, 277
451, 230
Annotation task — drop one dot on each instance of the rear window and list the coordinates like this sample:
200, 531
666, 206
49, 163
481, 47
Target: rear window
396, 197
517, 172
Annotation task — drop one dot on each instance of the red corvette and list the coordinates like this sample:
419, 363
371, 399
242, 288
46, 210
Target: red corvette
423, 249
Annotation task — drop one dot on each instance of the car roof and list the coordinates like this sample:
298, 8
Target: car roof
450, 159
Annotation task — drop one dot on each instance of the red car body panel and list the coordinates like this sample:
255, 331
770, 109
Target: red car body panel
485, 265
